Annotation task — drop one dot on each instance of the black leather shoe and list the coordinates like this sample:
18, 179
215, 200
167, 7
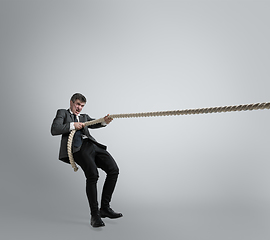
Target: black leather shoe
96, 221
108, 212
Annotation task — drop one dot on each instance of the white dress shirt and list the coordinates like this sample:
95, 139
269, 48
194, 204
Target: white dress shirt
72, 127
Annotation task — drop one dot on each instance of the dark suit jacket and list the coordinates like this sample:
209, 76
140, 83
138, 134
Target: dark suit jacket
61, 126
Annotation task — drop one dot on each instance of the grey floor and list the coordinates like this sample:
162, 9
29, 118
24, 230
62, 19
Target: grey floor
188, 221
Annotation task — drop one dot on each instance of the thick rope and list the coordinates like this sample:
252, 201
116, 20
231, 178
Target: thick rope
234, 108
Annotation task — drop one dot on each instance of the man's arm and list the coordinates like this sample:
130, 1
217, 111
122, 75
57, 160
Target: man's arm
58, 126
107, 120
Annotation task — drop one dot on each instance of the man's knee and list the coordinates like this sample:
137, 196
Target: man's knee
92, 178
114, 171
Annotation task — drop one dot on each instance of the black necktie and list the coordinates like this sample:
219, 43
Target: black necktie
77, 139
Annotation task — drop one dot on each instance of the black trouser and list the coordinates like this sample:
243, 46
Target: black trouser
91, 157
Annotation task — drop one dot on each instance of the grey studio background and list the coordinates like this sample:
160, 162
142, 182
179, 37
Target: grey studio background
201, 177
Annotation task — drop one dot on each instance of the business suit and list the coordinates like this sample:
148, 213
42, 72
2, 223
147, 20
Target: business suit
61, 126
90, 156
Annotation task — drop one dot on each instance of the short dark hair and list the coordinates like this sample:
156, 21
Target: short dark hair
78, 96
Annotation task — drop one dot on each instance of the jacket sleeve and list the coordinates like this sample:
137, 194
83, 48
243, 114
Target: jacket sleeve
98, 125
58, 126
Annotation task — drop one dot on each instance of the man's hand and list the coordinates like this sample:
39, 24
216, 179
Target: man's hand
79, 125
107, 119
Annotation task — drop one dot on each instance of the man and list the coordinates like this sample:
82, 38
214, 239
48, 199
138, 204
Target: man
89, 154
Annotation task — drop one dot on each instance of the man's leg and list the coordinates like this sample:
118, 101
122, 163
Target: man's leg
86, 159
106, 162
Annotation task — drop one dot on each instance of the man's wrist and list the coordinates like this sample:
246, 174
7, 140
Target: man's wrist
71, 126
104, 124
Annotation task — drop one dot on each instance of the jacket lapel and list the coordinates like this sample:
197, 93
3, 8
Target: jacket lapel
81, 118
70, 115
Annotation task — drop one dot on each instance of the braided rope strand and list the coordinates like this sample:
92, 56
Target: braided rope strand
69, 149
234, 108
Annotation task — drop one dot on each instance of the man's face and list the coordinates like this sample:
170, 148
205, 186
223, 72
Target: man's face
77, 106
